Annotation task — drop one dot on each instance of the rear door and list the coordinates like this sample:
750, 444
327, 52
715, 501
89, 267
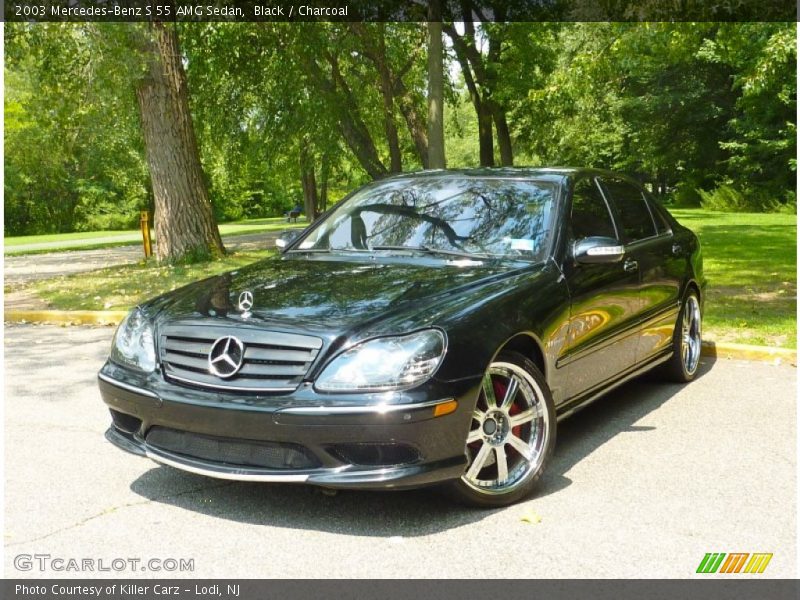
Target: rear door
604, 298
648, 244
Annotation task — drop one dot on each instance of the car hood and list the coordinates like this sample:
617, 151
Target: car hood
329, 296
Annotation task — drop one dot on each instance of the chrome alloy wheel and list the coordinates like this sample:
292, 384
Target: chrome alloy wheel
690, 335
509, 432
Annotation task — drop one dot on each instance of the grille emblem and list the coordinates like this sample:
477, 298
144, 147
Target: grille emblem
246, 301
226, 357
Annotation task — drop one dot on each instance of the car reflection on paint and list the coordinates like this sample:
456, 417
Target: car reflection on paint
432, 328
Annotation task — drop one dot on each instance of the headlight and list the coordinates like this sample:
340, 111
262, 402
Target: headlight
133, 342
383, 364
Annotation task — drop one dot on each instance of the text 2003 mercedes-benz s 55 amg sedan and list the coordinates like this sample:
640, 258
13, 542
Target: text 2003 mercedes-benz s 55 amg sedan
430, 328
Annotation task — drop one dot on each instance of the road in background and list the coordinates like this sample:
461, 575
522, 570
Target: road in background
31, 267
643, 484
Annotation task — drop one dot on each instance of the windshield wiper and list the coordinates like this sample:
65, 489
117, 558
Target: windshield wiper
429, 250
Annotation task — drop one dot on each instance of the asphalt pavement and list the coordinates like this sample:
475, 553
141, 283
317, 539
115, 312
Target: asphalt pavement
644, 483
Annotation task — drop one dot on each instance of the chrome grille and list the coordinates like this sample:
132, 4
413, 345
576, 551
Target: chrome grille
273, 361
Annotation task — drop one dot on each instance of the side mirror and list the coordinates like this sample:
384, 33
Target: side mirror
286, 238
598, 250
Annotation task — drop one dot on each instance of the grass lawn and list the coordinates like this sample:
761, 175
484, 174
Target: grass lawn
120, 288
751, 264
101, 239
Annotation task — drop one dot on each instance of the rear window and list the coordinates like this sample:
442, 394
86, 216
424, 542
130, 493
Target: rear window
634, 215
660, 215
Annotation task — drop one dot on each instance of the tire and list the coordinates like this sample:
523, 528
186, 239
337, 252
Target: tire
517, 431
686, 342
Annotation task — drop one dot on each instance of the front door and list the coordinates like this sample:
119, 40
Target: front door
605, 305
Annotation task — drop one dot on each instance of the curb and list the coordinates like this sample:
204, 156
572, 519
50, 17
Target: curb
66, 317
113, 317
747, 352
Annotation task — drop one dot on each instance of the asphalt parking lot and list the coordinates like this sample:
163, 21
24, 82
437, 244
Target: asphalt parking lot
643, 484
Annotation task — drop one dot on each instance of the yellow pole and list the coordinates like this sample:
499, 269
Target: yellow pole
144, 222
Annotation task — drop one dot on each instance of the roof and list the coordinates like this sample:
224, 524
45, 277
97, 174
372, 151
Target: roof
510, 172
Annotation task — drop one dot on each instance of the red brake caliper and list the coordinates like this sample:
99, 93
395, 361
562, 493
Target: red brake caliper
500, 393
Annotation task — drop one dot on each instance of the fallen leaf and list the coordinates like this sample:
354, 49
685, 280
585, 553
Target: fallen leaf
531, 516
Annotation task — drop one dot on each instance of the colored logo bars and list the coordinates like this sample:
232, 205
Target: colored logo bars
716, 562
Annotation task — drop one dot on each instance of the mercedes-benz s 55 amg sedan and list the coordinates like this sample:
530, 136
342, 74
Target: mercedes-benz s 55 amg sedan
430, 328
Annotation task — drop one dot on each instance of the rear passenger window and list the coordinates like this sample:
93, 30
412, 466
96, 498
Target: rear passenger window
662, 225
590, 216
634, 216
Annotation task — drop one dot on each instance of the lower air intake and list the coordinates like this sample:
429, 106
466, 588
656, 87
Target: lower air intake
244, 453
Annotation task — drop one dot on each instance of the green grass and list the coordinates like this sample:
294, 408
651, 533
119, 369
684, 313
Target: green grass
107, 239
63, 237
120, 288
751, 265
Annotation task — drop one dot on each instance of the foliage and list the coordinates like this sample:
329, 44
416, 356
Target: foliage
727, 198
679, 105
287, 112
73, 154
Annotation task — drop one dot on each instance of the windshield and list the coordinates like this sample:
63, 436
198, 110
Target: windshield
481, 217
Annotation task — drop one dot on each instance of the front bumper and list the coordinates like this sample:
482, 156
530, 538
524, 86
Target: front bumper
320, 425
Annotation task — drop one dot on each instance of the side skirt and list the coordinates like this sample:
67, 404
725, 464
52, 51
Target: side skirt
581, 402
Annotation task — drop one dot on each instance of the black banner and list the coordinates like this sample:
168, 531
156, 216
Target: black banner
397, 10
387, 589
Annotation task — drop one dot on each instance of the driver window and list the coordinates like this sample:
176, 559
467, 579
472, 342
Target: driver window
590, 216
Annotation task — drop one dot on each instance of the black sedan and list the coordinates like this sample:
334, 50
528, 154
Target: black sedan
430, 328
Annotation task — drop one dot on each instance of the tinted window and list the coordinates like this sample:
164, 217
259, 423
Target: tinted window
662, 225
633, 213
590, 216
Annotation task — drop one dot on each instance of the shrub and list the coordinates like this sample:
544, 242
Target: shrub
685, 196
729, 199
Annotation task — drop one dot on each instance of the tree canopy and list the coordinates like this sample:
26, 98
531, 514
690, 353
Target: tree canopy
300, 113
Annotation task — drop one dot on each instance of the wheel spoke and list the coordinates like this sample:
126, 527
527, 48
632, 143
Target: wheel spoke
488, 391
511, 391
480, 460
478, 415
524, 417
502, 463
521, 447
474, 436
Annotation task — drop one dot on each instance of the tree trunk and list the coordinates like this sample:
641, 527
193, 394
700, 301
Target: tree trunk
487, 78
387, 91
485, 137
436, 158
470, 60
352, 126
322, 204
395, 94
184, 221
309, 183
503, 136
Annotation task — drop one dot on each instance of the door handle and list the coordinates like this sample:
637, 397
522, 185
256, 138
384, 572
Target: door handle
676, 249
630, 265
